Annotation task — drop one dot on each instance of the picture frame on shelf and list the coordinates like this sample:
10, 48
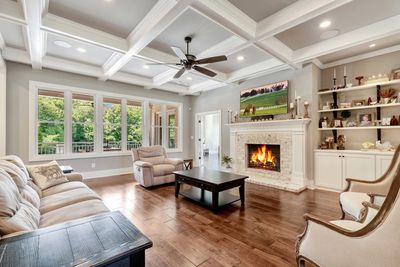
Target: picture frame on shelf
337, 123
395, 75
345, 105
358, 103
365, 119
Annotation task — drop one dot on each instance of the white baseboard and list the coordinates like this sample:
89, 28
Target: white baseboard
106, 173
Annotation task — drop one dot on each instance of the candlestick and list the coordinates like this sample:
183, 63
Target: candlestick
334, 73
291, 105
306, 115
344, 71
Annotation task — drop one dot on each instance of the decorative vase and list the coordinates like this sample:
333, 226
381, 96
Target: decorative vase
386, 100
344, 123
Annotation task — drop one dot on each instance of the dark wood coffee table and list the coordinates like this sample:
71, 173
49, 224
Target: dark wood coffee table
208, 186
107, 239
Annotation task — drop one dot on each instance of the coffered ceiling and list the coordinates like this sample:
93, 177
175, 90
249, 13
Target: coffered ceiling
121, 39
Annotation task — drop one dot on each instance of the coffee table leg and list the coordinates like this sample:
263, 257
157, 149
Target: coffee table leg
241, 193
177, 186
215, 196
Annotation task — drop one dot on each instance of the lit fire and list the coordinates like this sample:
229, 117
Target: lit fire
263, 155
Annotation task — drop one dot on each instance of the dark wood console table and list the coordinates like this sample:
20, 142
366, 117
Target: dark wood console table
107, 239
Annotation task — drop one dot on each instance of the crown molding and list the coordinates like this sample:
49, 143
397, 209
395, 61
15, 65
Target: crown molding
348, 60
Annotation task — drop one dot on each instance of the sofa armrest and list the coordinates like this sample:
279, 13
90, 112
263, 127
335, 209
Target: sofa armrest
174, 161
143, 164
76, 177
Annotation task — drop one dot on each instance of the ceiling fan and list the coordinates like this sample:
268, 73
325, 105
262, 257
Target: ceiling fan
189, 61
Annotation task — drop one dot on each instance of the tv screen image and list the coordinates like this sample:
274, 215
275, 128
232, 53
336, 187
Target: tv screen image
270, 99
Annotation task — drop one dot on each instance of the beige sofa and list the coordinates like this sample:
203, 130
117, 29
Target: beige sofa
24, 207
152, 167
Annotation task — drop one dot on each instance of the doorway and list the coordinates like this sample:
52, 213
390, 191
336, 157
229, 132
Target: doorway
208, 139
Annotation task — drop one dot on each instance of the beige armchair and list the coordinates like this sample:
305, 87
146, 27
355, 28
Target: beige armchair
348, 243
152, 167
358, 191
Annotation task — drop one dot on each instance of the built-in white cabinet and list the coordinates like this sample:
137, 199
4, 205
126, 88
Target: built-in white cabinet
333, 167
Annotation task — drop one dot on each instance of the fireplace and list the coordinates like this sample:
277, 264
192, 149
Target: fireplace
264, 157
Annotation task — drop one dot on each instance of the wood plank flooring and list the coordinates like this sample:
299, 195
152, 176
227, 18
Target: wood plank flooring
263, 233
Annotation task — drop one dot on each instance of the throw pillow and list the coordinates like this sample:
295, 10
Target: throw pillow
47, 175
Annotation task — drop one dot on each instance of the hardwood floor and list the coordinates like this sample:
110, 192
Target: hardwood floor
263, 233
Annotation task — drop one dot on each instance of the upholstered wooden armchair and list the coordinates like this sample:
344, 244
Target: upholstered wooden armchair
358, 191
348, 243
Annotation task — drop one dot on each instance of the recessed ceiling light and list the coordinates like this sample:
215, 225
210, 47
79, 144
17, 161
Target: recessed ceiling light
325, 24
146, 66
329, 34
62, 44
189, 78
372, 45
240, 58
81, 50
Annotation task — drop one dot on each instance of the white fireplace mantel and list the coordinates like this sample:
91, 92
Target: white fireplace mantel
293, 137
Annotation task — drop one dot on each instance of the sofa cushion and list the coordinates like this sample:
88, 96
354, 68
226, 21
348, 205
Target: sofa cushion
18, 162
47, 175
19, 177
35, 187
72, 212
66, 198
26, 218
154, 160
30, 195
163, 169
62, 188
9, 196
352, 203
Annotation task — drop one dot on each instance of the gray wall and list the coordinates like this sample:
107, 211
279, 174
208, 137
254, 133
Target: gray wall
3, 86
372, 66
228, 97
18, 77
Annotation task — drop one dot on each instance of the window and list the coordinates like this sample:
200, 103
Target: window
50, 123
112, 124
134, 124
172, 115
156, 128
69, 122
82, 123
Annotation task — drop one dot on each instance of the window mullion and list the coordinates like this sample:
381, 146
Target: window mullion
124, 122
164, 125
67, 122
98, 125
146, 123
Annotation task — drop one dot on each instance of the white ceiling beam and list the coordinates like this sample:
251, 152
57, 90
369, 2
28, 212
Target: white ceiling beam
2, 43
205, 86
17, 55
295, 14
33, 11
278, 49
64, 27
164, 77
156, 21
228, 16
12, 11
348, 60
255, 70
378, 30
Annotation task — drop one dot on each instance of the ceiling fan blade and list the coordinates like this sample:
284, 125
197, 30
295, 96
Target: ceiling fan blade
211, 60
176, 64
179, 53
179, 73
204, 71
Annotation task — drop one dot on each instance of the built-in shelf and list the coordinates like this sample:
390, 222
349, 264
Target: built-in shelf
354, 151
361, 87
360, 128
361, 107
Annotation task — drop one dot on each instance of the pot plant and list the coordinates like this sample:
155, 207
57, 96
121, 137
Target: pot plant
345, 115
226, 160
386, 94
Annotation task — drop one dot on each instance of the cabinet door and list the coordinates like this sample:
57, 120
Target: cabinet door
328, 170
382, 164
358, 166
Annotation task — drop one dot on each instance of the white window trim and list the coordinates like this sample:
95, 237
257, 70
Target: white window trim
35, 86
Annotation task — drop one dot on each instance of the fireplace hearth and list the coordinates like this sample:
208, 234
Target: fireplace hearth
264, 157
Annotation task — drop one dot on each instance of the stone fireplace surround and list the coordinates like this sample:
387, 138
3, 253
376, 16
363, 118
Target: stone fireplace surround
291, 135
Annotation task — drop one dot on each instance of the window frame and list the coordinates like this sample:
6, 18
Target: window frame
35, 86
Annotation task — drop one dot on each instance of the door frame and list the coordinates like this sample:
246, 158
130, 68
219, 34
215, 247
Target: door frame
197, 134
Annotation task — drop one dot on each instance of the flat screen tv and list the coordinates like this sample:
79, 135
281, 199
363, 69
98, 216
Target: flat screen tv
270, 99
